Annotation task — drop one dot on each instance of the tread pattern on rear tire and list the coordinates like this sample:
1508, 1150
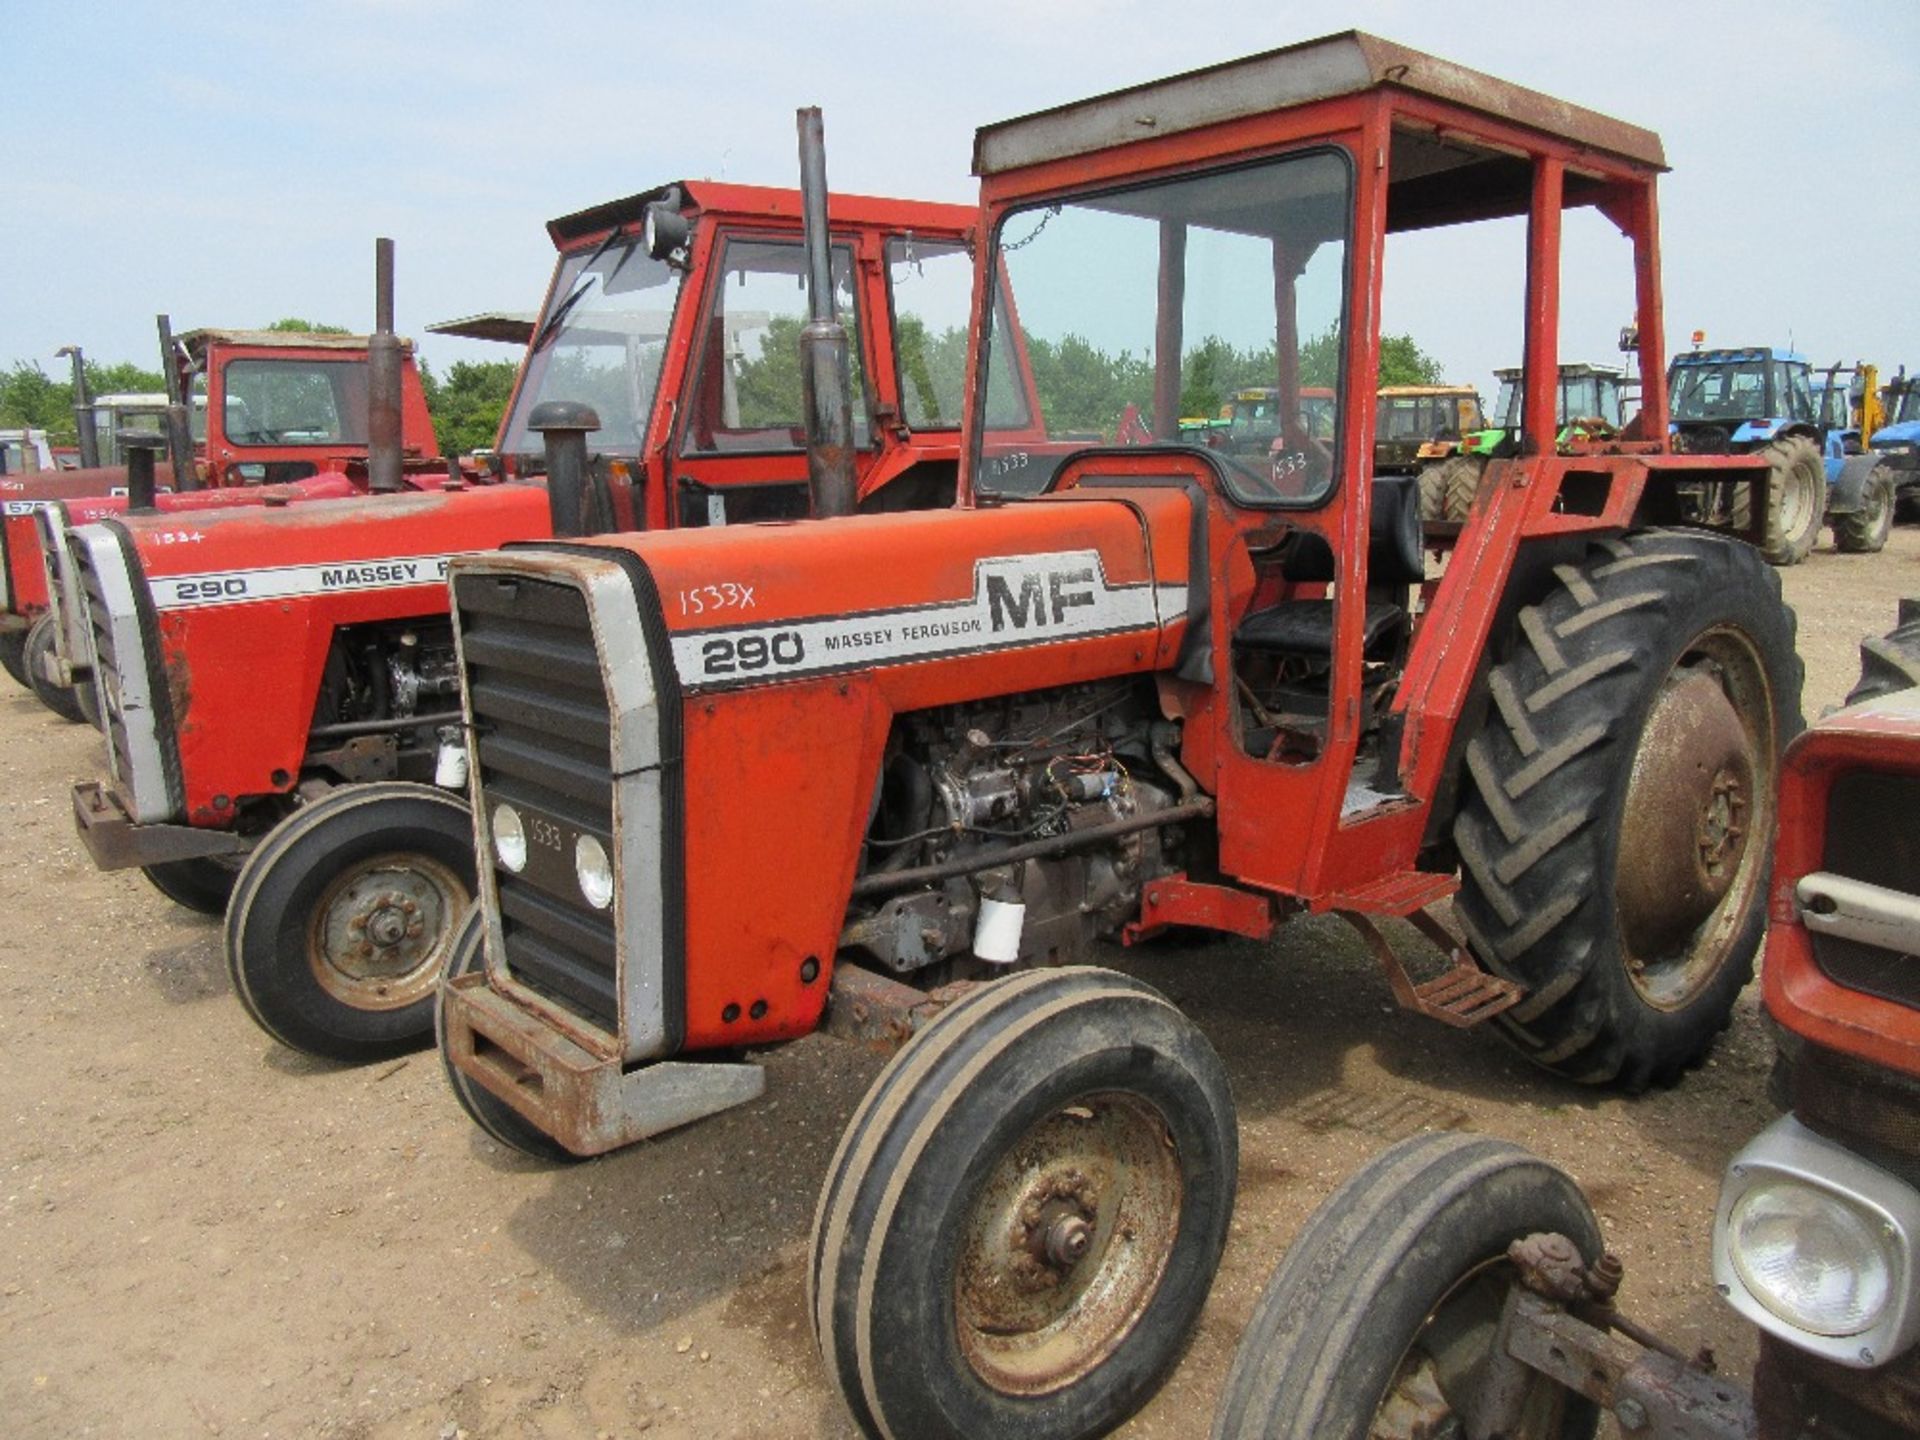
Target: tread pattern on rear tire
1447, 487
1890, 662
1539, 822
1795, 463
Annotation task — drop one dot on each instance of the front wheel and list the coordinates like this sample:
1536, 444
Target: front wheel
1025, 1213
203, 884
1385, 1313
1615, 839
1890, 663
499, 1120
60, 699
345, 915
1865, 531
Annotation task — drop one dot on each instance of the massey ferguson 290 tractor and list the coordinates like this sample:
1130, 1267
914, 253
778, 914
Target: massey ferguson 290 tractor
732, 786
283, 409
1457, 1285
282, 681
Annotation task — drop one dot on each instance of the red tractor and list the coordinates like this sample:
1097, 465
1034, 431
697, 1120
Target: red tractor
1176, 687
287, 416
279, 683
1458, 1285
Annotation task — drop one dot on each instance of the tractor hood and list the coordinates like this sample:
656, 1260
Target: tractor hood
1897, 437
688, 707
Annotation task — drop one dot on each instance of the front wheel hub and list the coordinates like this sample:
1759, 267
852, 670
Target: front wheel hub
380, 930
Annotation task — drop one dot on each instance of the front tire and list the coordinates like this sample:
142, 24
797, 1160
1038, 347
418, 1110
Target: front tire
60, 699
202, 884
499, 1120
1615, 838
1385, 1308
345, 915
1865, 531
1025, 1213
1796, 500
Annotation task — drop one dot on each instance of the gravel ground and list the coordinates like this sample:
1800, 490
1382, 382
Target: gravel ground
203, 1234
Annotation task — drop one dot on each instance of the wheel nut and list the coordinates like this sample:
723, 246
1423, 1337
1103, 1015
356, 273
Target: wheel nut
1068, 1239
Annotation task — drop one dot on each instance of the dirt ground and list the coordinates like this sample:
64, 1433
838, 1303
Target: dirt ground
203, 1234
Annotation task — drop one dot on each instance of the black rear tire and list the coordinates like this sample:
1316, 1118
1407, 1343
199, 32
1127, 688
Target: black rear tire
499, 1120
1447, 488
203, 884
60, 699
1865, 531
1890, 662
1796, 500
1616, 832
344, 917
1410, 1252
1025, 1213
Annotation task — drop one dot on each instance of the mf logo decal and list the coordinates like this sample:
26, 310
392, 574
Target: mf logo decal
1017, 600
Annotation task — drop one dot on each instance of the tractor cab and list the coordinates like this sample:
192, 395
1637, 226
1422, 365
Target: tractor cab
1416, 422
1317, 649
1589, 405
1734, 401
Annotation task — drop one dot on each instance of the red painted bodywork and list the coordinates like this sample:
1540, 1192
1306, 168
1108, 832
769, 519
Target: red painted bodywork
243, 677
337, 469
1878, 739
802, 758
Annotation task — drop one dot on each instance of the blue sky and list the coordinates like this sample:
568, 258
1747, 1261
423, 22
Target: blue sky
232, 164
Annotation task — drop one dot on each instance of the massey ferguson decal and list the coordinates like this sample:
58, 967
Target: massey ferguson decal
1017, 600
184, 592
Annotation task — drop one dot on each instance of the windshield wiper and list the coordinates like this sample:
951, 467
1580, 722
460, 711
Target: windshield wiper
559, 313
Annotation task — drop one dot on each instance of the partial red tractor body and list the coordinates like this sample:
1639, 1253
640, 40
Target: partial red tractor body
1458, 1285
1167, 686
280, 682
287, 416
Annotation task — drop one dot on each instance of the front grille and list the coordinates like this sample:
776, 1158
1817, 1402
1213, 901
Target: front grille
1873, 834
91, 594
543, 744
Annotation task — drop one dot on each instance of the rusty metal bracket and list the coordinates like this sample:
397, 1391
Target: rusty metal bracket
1464, 995
1176, 900
879, 1013
118, 843
584, 1101
1653, 1395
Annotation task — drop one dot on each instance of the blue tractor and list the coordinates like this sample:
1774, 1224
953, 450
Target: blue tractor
1897, 443
1732, 402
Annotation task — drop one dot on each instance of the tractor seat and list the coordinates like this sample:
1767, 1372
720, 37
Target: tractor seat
1395, 560
1305, 627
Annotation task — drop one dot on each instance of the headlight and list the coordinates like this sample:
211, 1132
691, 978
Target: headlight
594, 872
1811, 1258
509, 838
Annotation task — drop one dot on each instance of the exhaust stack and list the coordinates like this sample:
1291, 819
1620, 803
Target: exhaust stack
186, 476
823, 342
575, 504
383, 379
83, 421
139, 446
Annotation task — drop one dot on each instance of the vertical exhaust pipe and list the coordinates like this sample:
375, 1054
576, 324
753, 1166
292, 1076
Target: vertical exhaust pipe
573, 504
383, 379
83, 421
179, 423
824, 377
139, 446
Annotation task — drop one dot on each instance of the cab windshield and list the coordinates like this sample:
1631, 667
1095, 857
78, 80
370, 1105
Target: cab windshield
1736, 390
600, 342
1908, 406
1143, 305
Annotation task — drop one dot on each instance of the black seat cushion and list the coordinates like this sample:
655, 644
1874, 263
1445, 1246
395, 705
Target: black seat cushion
1305, 627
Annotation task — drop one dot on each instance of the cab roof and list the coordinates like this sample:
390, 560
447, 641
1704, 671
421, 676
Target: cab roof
759, 201
1347, 63
199, 341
